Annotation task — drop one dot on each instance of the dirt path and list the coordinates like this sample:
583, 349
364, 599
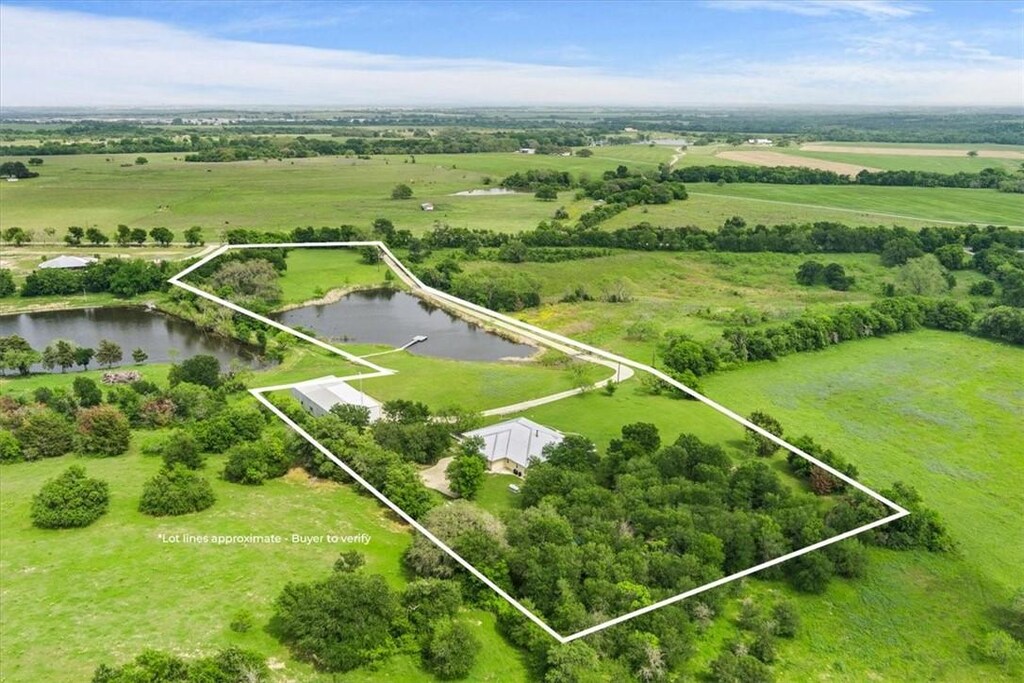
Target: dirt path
676, 157
914, 151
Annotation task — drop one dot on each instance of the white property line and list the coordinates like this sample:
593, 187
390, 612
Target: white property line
544, 337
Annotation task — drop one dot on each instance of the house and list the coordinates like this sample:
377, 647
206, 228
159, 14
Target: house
509, 446
427, 206
68, 262
759, 141
318, 396
527, 150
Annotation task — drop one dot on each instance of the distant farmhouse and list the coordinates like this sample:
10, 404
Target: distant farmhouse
527, 150
318, 396
509, 446
68, 262
759, 141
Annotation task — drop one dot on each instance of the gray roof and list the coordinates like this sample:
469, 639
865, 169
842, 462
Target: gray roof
330, 391
517, 440
68, 262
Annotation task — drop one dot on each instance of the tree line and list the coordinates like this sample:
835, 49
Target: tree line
121, 277
123, 236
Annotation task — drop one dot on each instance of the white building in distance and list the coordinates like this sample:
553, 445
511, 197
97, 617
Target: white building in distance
68, 262
318, 396
508, 446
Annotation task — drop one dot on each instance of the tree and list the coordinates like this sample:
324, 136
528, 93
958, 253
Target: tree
546, 193
108, 353
834, 275
899, 250
810, 573
355, 415
466, 471
175, 491
102, 430
346, 621
401, 191
123, 237
230, 665
584, 153
162, 236
60, 353
427, 601
84, 356
762, 445
87, 392
810, 273
923, 276
201, 369
194, 236
137, 235
16, 354
181, 448
574, 662
786, 620
7, 286
451, 650
35, 161
17, 236
45, 434
952, 256
252, 280
139, 356
141, 161
72, 500
95, 237
74, 236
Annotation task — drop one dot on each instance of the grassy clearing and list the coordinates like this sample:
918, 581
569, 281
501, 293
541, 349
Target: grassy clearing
900, 410
906, 162
182, 596
695, 292
313, 272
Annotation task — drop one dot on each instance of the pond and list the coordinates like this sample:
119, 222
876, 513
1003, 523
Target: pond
163, 337
387, 316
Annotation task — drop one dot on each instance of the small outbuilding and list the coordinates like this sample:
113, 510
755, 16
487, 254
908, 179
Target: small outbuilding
509, 446
318, 396
427, 206
68, 262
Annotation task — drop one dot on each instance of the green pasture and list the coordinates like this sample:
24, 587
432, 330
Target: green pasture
938, 410
313, 272
907, 162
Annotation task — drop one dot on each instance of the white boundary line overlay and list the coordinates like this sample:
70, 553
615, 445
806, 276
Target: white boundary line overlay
543, 337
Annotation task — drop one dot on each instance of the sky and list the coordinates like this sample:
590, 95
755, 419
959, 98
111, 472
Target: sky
148, 53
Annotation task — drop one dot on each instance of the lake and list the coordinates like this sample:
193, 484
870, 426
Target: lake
163, 337
387, 316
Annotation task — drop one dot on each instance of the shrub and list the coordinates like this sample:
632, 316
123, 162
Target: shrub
230, 665
253, 463
45, 434
242, 621
232, 425
175, 491
10, 449
69, 501
466, 473
202, 369
103, 430
181, 448
451, 651
344, 622
87, 393
983, 288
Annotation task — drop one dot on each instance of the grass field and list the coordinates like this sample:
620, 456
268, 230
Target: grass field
696, 292
900, 410
88, 190
904, 162
313, 272
104, 593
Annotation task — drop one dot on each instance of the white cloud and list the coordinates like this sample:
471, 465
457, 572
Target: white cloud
873, 9
50, 58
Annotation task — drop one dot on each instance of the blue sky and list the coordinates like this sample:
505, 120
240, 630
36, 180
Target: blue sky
312, 53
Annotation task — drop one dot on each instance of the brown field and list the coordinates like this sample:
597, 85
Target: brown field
914, 151
765, 158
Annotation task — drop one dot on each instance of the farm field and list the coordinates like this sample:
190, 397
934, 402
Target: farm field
899, 160
54, 631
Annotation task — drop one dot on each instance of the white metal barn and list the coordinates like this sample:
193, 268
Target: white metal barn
318, 396
509, 445
68, 262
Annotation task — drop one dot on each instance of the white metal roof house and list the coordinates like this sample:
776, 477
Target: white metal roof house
318, 396
68, 262
509, 445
